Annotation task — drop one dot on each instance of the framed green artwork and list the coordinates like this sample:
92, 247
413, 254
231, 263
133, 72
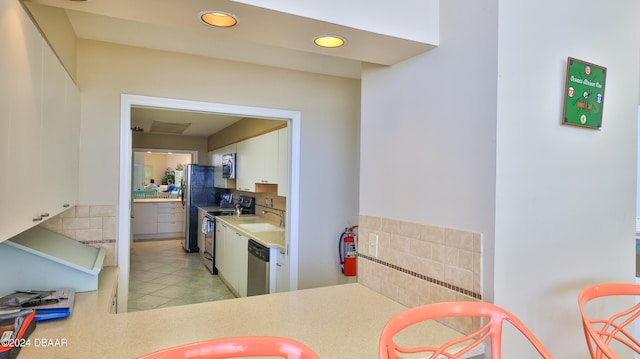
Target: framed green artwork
584, 94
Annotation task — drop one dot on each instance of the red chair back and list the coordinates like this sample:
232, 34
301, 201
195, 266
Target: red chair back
237, 347
600, 333
491, 331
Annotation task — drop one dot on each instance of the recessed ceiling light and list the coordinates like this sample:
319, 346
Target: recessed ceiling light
329, 41
218, 18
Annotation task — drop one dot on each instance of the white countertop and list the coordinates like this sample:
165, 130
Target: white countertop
156, 200
342, 321
268, 239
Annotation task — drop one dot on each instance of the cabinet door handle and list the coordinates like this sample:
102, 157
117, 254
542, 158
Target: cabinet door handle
66, 205
36, 219
45, 215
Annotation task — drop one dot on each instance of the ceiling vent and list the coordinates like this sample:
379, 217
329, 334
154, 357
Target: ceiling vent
168, 127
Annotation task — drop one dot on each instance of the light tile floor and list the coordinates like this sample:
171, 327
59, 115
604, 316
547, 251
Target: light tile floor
162, 274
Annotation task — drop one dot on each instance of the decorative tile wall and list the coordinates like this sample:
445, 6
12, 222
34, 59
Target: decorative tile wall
418, 263
92, 225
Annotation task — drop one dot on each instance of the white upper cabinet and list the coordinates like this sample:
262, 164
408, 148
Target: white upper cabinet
40, 126
257, 161
21, 74
246, 165
269, 143
283, 162
60, 136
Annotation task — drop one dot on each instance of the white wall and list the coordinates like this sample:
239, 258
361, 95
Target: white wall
638, 177
428, 130
470, 134
566, 196
329, 131
417, 20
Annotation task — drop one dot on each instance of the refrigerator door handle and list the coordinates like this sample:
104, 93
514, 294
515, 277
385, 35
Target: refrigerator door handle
182, 189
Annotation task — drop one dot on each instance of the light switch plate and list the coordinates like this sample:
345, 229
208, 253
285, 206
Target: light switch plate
373, 245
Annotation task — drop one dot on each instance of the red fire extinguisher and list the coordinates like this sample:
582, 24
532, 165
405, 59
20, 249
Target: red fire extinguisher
347, 248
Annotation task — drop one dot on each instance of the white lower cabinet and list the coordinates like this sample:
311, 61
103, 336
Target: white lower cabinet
232, 258
170, 218
145, 218
282, 271
241, 255
221, 230
153, 220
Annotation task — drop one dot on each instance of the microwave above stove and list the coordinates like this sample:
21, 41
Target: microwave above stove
229, 165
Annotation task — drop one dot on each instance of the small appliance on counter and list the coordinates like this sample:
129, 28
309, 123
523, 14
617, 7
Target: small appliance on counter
246, 205
227, 200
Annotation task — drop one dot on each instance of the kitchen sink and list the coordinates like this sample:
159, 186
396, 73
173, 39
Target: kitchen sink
245, 217
261, 227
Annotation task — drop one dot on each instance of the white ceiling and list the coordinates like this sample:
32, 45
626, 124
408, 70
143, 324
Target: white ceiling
262, 36
200, 123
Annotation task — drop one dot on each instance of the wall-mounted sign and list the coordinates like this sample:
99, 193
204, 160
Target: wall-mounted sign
584, 94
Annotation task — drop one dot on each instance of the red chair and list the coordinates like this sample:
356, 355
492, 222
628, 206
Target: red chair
618, 328
237, 347
493, 316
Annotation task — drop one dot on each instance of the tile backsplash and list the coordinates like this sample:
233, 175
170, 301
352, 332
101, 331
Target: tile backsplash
418, 263
92, 225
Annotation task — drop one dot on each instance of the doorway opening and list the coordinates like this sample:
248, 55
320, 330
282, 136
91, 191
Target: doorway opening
123, 215
157, 166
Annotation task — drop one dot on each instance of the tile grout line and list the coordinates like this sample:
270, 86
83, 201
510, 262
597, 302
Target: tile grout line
188, 266
423, 277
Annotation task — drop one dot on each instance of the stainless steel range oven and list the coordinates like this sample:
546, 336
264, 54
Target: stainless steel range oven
209, 240
247, 206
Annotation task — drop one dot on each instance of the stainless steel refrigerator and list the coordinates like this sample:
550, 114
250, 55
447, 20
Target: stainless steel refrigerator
197, 191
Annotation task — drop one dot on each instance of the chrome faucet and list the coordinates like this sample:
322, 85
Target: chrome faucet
279, 214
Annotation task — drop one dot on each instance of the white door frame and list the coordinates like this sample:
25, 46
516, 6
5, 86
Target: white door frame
123, 215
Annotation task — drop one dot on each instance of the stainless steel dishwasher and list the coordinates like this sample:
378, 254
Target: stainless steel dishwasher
257, 269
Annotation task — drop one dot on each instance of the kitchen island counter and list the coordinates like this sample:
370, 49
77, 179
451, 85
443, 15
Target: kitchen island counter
341, 321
